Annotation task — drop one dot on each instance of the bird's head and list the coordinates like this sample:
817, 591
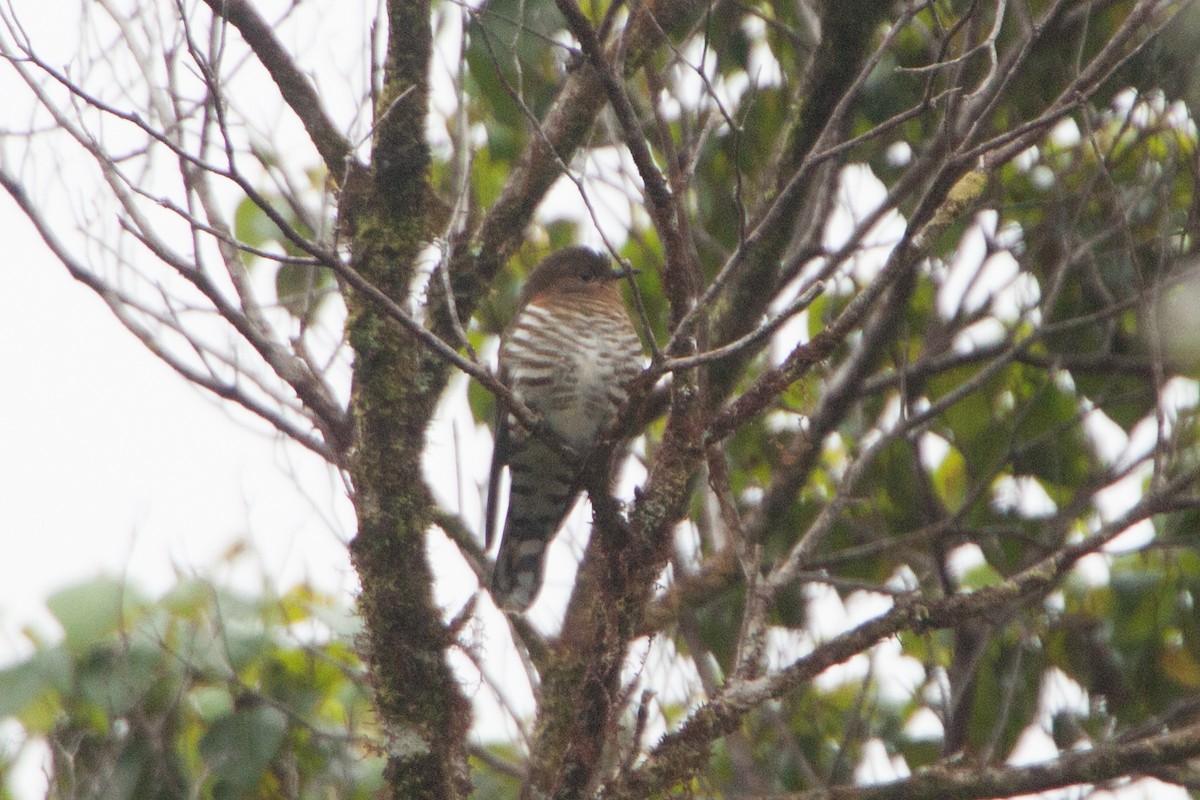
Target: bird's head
573, 270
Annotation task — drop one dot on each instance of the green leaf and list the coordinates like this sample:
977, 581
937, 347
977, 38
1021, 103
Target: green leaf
238, 749
1181, 666
482, 403
252, 226
90, 612
980, 576
120, 680
247, 647
212, 702
188, 599
950, 480
33, 680
301, 289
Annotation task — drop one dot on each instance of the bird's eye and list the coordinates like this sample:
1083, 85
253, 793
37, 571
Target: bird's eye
586, 277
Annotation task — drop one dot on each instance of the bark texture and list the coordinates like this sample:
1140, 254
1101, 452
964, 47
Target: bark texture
396, 386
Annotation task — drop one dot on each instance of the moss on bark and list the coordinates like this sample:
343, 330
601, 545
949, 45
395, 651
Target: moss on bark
395, 390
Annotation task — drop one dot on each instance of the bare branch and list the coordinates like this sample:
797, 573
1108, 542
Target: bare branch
294, 87
120, 306
1096, 766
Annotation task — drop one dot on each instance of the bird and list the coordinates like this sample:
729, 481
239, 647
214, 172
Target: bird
569, 356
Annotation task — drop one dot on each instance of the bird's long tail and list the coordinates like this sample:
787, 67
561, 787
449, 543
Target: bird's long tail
543, 490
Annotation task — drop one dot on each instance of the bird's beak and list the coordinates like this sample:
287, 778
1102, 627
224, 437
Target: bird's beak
621, 271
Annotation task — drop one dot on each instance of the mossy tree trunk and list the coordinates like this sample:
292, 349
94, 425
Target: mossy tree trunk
395, 390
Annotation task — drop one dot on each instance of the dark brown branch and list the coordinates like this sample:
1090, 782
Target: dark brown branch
294, 87
685, 752
768, 386
309, 387
691, 590
396, 386
1008, 144
1101, 764
446, 353
563, 129
680, 277
840, 68
222, 389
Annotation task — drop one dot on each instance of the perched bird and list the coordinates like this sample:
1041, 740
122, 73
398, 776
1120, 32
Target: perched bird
569, 355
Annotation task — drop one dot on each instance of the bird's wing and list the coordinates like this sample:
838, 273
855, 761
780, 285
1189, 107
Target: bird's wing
499, 459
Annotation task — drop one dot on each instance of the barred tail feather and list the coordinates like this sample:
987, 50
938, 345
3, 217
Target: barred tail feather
543, 489
519, 567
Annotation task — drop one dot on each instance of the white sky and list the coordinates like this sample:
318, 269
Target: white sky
112, 463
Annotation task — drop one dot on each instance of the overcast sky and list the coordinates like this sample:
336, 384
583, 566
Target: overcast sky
109, 462
113, 464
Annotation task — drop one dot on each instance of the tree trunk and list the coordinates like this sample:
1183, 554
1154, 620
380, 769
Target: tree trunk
395, 390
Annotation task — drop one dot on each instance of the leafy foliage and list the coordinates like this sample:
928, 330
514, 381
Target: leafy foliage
203, 692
